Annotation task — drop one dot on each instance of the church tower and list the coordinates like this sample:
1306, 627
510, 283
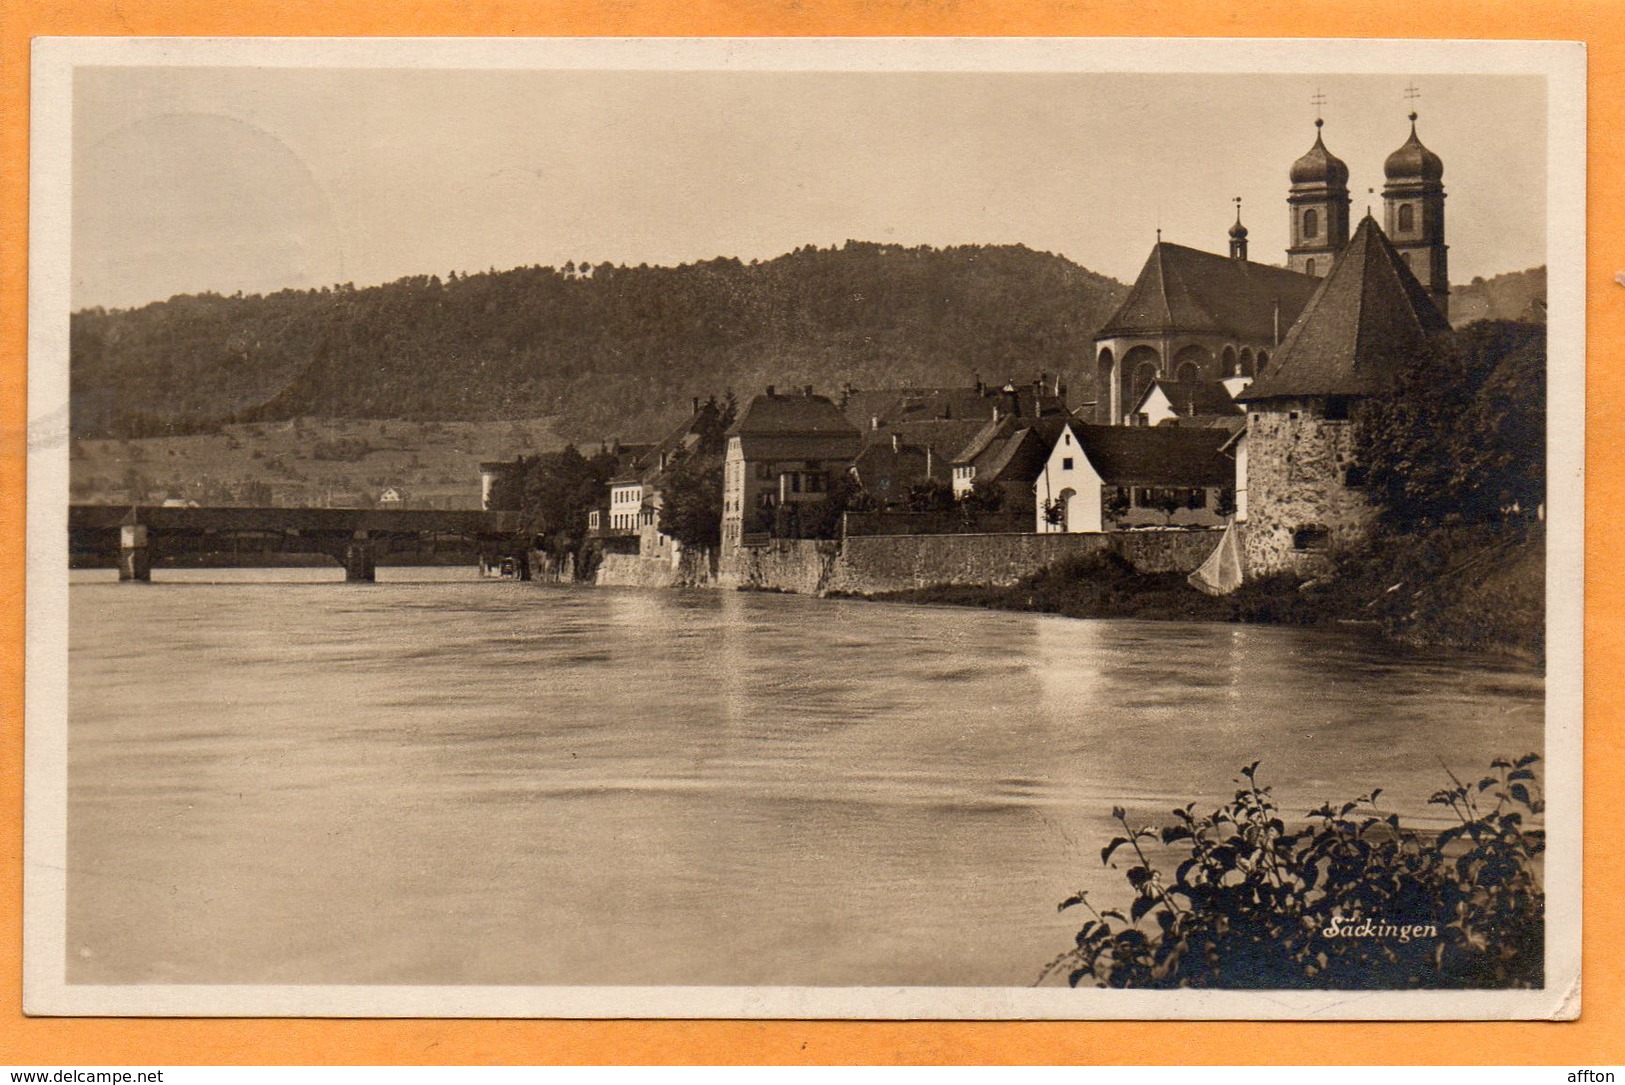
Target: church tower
1319, 206
1413, 197
1238, 235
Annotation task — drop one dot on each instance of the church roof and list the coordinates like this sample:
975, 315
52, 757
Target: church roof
1413, 161
1319, 166
1187, 290
1369, 316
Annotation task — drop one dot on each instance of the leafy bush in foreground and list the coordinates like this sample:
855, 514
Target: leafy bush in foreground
1352, 900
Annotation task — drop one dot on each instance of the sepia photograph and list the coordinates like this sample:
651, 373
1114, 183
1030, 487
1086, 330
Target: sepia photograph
804, 528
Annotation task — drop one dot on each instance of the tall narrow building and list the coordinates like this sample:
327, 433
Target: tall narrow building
1413, 198
1319, 207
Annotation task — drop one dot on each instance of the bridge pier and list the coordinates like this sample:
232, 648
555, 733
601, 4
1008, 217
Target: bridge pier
134, 555
361, 559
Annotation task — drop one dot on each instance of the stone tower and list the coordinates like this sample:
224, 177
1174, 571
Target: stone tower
1303, 481
1319, 206
1413, 198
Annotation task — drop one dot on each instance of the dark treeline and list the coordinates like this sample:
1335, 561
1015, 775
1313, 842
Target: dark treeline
608, 350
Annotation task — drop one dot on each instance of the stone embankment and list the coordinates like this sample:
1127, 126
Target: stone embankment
876, 564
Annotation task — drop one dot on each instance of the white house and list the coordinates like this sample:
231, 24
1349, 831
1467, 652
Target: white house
625, 501
1106, 478
1203, 402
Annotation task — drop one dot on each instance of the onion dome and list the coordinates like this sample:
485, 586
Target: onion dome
1238, 231
1413, 161
1320, 166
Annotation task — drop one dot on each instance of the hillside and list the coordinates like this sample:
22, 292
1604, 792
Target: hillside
614, 351
1515, 295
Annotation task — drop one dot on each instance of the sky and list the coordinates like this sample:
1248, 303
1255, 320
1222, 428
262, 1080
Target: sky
253, 179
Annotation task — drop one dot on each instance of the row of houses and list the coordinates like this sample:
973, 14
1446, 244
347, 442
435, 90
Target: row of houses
1223, 396
1274, 452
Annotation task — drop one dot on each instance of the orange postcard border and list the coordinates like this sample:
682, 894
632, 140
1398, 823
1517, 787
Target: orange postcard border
1596, 1038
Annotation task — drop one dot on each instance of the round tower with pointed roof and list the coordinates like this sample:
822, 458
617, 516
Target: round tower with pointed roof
1413, 198
1319, 206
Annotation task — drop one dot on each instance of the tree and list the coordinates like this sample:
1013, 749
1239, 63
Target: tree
1168, 502
985, 495
560, 488
691, 501
1459, 436
929, 495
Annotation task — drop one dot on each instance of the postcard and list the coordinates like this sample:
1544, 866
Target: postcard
805, 528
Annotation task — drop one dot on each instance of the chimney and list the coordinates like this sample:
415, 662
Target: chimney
897, 442
770, 391
981, 389
874, 421
807, 391
696, 404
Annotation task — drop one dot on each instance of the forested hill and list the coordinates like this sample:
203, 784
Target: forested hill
1512, 295
617, 351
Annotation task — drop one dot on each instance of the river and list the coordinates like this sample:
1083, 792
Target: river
276, 777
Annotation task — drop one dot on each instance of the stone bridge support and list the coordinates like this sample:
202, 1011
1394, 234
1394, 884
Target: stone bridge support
361, 558
134, 555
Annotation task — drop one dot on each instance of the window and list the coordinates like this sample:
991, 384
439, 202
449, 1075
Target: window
795, 482
1311, 537
1066, 463
1407, 217
1311, 225
816, 483
1309, 268
1354, 477
1337, 409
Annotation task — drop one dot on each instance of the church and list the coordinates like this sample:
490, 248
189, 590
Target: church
1300, 344
1195, 316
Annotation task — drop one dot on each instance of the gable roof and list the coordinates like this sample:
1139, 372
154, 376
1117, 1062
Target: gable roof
1023, 452
946, 437
795, 426
1187, 398
1187, 290
1157, 455
653, 463
1369, 318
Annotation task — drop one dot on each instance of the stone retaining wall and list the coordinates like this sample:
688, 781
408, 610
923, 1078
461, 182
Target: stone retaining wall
882, 563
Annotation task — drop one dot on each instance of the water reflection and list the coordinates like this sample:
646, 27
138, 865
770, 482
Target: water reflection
439, 780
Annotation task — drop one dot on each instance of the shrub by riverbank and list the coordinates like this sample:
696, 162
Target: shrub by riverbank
1478, 587
1350, 900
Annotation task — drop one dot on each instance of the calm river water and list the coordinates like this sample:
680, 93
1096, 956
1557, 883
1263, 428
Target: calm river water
440, 780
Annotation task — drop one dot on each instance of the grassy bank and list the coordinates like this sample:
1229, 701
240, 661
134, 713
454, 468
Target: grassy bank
1479, 588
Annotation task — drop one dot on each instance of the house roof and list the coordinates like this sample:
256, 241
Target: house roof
975, 402
946, 437
1022, 450
1157, 455
1187, 398
1369, 318
798, 426
883, 469
1187, 290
